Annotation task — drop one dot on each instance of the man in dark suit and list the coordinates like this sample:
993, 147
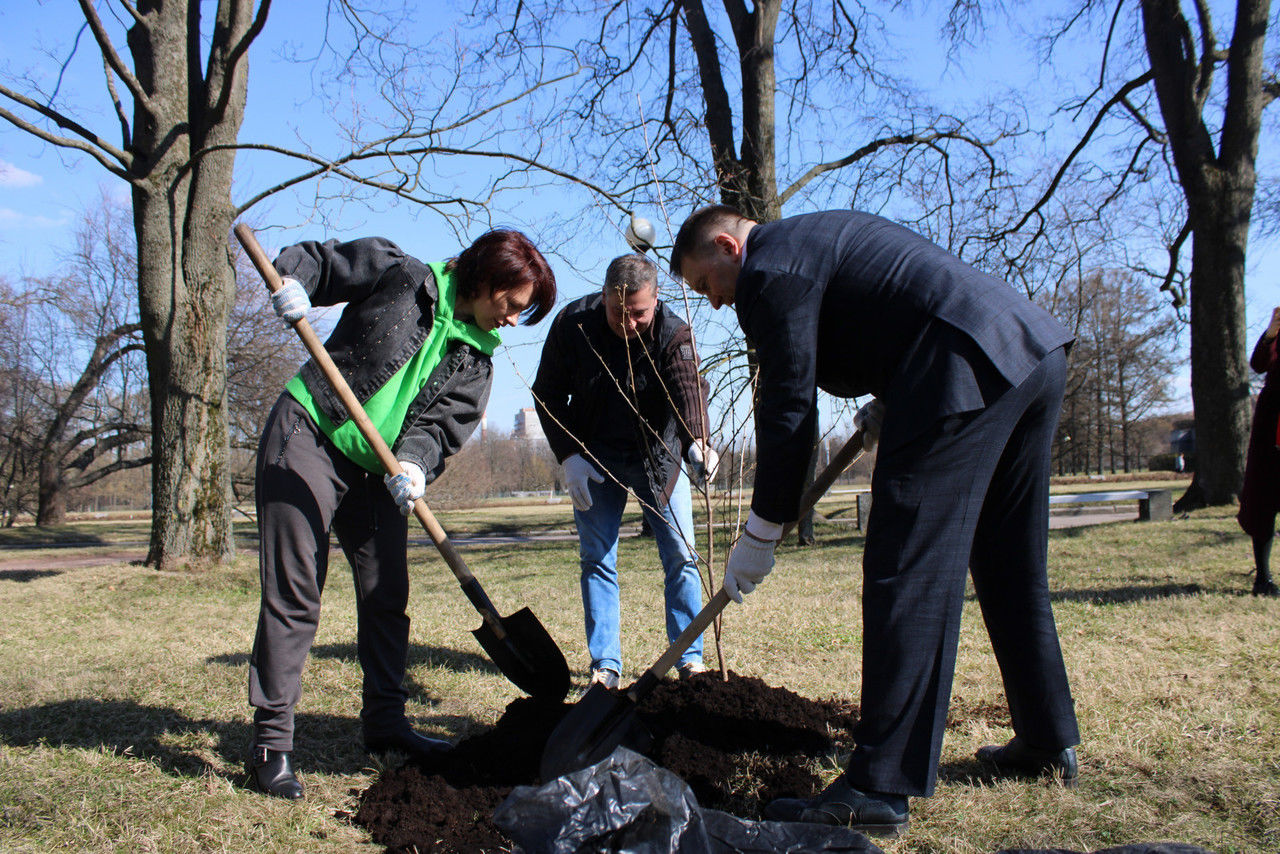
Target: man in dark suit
971, 376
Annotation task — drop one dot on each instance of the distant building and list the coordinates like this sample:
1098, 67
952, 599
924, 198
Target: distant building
527, 425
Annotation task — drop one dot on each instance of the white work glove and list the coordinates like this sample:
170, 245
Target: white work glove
868, 419
406, 487
752, 556
703, 461
291, 301
577, 471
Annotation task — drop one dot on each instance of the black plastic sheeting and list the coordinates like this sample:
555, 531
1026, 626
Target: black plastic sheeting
626, 803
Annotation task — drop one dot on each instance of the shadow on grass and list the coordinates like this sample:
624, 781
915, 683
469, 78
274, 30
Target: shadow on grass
420, 655
55, 536
831, 536
1125, 594
24, 575
1122, 595
474, 528
327, 744
849, 512
969, 772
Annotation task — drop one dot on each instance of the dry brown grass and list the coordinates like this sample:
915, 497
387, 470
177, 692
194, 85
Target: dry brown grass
123, 716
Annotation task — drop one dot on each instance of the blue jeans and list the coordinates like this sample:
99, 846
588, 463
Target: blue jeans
598, 556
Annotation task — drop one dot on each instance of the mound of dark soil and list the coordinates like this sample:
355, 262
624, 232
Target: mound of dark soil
738, 743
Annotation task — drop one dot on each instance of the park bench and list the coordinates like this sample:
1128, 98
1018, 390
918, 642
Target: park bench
1154, 505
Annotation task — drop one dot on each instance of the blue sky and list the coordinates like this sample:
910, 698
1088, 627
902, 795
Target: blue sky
44, 190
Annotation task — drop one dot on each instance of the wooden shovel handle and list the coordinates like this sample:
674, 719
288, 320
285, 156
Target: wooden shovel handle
844, 458
322, 358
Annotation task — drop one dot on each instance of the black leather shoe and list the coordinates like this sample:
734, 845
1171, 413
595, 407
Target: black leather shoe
271, 772
1017, 758
417, 747
1265, 587
873, 813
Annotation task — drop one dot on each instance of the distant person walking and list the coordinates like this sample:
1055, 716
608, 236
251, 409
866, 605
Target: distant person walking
1260, 498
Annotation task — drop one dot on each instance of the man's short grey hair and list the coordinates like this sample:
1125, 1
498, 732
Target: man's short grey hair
631, 274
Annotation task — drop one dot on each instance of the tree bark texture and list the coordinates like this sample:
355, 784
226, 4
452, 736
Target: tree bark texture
51, 495
1219, 189
747, 176
182, 215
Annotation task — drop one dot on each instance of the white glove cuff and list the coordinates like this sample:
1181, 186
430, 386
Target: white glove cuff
763, 529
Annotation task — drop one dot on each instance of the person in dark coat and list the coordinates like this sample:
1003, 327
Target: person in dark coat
971, 376
414, 343
1260, 497
622, 404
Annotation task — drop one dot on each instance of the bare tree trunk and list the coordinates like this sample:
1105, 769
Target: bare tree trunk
51, 496
1219, 189
182, 216
190, 486
1219, 361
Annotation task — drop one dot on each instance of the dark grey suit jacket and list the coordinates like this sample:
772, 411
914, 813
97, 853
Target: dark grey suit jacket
854, 304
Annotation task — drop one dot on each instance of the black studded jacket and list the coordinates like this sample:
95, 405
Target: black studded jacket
390, 299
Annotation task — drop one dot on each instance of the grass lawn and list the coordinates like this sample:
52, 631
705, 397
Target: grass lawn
123, 712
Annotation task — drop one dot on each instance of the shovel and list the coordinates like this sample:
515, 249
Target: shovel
603, 719
519, 645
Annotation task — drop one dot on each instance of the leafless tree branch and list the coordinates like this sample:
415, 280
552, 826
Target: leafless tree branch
114, 160
112, 58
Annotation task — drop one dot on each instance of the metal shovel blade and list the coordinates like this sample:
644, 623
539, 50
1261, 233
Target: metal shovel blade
527, 655
592, 729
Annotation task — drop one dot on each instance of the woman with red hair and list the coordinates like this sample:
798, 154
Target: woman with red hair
1260, 497
414, 342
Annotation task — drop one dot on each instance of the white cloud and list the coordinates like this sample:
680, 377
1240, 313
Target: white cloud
10, 218
13, 177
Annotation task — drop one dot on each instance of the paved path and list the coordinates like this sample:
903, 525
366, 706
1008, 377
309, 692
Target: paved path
18, 558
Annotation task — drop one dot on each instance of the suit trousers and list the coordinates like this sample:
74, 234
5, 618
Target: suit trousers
304, 488
970, 492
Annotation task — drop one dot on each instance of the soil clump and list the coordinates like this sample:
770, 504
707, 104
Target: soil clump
739, 743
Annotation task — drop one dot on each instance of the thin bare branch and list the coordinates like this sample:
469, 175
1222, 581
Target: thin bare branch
1208, 51
228, 66
112, 57
96, 147
1270, 91
335, 167
133, 12
1175, 250
126, 138
1117, 98
869, 149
